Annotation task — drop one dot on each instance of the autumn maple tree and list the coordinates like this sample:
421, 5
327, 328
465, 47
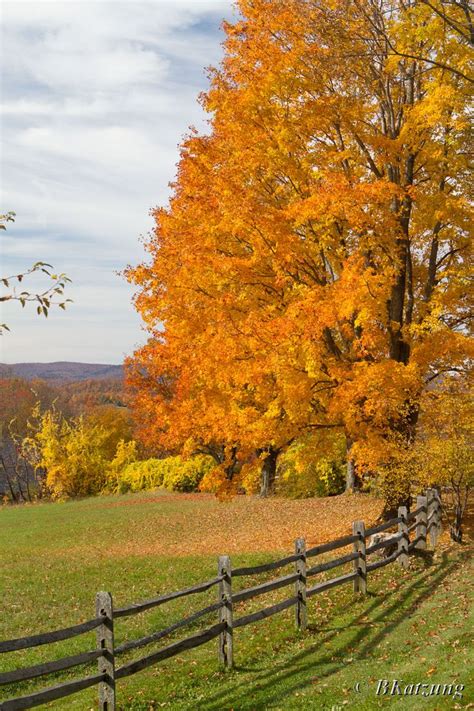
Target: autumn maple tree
311, 271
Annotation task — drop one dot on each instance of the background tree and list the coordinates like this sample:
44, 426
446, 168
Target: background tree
443, 454
22, 406
43, 299
76, 454
18, 401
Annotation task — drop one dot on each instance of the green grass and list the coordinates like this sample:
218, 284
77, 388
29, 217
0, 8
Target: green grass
412, 626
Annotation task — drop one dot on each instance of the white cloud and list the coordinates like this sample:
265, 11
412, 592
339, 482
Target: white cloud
96, 97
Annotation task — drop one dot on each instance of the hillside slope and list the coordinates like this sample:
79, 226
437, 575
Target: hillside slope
412, 626
62, 371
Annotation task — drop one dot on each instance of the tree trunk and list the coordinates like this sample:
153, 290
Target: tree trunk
220, 456
14, 495
268, 472
350, 475
455, 530
231, 466
460, 502
350, 467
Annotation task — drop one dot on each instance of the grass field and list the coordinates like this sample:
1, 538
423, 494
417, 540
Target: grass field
413, 626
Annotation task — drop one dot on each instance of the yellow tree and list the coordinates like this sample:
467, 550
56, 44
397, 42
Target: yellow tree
78, 455
443, 452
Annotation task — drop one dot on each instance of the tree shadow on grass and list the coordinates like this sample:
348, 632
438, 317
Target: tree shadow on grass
364, 637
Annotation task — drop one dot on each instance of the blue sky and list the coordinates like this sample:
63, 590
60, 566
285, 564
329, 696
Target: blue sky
96, 97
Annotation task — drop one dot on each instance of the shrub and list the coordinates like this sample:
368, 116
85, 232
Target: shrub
71, 453
115, 422
136, 476
81, 456
125, 456
299, 479
173, 473
186, 474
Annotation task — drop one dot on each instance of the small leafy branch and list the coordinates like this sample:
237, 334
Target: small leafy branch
45, 299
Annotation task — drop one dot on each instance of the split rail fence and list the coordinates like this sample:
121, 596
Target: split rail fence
413, 530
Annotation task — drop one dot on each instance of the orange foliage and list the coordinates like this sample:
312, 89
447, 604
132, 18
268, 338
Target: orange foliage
245, 524
311, 270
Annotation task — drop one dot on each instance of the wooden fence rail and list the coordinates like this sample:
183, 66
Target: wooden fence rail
149, 604
48, 637
425, 521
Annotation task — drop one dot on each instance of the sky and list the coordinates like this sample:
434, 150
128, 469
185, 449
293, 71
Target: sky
96, 97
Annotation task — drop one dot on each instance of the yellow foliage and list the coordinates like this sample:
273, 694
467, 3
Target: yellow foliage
72, 455
126, 454
441, 454
81, 456
173, 473
249, 476
304, 472
444, 449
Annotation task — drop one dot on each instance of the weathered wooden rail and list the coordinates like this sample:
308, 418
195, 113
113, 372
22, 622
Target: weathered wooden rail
423, 521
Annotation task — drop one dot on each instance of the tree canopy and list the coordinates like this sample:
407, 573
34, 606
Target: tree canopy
312, 270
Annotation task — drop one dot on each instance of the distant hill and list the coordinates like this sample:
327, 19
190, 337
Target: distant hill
62, 371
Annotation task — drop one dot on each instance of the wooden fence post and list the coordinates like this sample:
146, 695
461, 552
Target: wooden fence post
360, 563
105, 641
404, 538
434, 515
225, 639
421, 518
300, 585
431, 515
438, 528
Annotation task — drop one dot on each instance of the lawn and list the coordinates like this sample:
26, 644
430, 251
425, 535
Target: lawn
412, 626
